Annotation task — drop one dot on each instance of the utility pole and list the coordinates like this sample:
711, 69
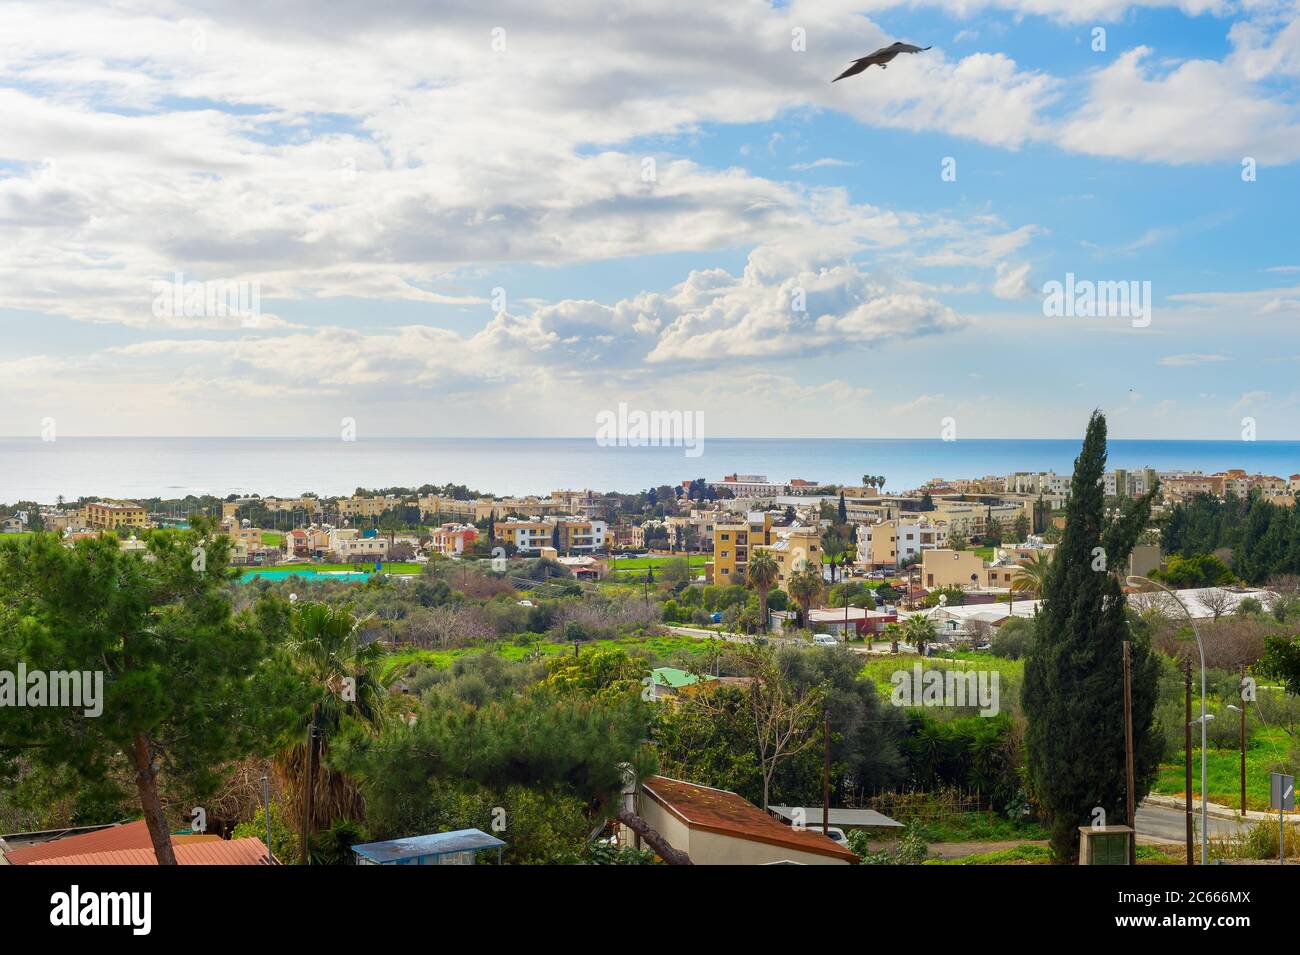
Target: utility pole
1128, 753
1187, 749
826, 775
266, 813
1242, 697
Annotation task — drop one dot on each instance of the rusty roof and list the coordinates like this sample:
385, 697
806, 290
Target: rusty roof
726, 813
131, 835
248, 851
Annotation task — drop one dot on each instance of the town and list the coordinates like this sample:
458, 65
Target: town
870, 621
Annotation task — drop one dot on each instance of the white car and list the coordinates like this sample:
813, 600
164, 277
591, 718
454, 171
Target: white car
825, 640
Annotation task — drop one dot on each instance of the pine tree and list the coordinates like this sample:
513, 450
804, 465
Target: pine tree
1073, 694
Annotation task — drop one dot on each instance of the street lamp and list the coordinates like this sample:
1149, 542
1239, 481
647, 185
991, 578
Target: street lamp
1204, 718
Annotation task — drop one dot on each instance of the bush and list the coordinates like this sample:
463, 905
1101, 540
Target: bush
1012, 640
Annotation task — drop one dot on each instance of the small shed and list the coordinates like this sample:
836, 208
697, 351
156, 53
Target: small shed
460, 847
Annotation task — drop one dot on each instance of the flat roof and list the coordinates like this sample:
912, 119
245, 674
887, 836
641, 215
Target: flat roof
812, 816
435, 844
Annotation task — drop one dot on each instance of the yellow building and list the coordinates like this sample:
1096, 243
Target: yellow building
966, 569
565, 534
795, 549
106, 515
731, 546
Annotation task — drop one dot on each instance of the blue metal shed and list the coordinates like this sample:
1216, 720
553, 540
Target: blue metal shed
441, 848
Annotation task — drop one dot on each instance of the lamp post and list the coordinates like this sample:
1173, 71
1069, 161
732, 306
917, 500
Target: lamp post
1205, 717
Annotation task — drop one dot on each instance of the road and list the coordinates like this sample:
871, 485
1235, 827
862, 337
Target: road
1170, 825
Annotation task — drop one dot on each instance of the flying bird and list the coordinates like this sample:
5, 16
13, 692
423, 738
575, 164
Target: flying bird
881, 57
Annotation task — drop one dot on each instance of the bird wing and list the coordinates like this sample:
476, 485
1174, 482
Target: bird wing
855, 68
909, 48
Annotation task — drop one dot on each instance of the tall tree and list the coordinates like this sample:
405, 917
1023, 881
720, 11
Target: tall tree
1073, 694
805, 586
187, 686
762, 574
340, 674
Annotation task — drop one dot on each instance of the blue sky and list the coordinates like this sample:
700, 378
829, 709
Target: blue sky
452, 230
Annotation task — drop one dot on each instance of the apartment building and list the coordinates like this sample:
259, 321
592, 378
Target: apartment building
347, 545
793, 550
750, 485
350, 508
564, 534
731, 546
890, 543
107, 515
697, 527
965, 569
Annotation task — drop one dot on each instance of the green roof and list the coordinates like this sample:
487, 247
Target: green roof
671, 676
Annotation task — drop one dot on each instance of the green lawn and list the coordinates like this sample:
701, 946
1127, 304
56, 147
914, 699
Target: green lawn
364, 567
661, 646
1264, 749
1031, 854
641, 563
880, 669
272, 538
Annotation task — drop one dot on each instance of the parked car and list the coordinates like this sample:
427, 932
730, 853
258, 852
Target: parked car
825, 640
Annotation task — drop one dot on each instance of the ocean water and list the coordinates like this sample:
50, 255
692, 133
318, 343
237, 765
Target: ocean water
31, 469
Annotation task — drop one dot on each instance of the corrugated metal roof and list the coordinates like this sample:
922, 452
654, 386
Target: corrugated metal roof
812, 817
720, 811
248, 851
438, 843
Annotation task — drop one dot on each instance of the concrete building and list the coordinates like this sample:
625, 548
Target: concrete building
965, 569
565, 534
107, 515
732, 542
451, 540
890, 543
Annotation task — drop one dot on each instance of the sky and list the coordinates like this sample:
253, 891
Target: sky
503, 218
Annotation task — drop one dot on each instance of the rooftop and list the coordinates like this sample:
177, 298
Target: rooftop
726, 813
436, 844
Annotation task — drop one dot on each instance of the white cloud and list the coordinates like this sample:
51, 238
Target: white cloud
1182, 361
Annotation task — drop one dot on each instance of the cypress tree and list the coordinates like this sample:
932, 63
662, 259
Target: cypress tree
1073, 694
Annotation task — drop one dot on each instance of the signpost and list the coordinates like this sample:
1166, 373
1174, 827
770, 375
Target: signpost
1281, 796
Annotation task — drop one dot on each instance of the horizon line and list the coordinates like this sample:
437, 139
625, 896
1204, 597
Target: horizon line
573, 437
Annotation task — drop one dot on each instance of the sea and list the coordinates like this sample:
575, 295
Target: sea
170, 467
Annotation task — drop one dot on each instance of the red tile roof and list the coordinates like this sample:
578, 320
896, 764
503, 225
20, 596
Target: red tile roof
720, 811
128, 837
248, 851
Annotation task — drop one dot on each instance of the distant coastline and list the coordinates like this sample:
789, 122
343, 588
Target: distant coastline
129, 467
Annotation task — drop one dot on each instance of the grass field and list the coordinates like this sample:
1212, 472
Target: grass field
363, 568
662, 646
880, 669
1031, 854
641, 563
1265, 749
272, 538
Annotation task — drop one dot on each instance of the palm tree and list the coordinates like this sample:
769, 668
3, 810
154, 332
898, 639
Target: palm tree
1033, 575
919, 631
763, 574
342, 681
805, 586
894, 631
